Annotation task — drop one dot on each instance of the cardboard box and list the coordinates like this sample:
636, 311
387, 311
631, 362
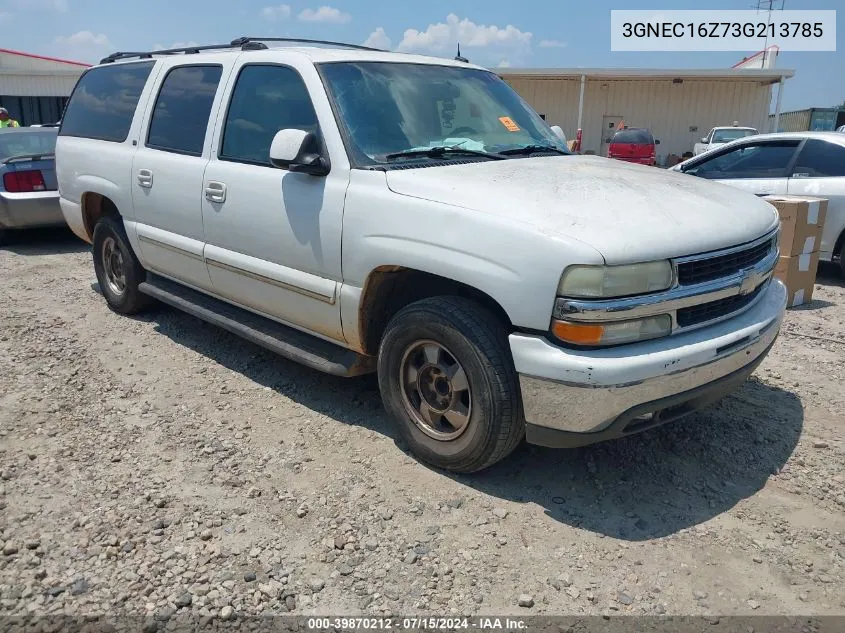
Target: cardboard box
801, 219
799, 275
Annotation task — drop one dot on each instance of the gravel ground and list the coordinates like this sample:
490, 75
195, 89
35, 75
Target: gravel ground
159, 466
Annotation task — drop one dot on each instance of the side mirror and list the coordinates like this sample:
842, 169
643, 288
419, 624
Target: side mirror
704, 139
657, 141
559, 133
298, 151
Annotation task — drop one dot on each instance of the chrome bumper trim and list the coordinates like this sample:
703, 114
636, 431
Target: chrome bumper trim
587, 392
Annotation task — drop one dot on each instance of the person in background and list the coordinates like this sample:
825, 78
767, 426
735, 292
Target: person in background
6, 120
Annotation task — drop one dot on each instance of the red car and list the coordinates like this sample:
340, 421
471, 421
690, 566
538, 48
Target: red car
633, 144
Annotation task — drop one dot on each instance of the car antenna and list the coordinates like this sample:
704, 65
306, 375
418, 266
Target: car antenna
459, 57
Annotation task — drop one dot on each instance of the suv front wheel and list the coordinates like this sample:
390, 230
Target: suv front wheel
446, 375
118, 270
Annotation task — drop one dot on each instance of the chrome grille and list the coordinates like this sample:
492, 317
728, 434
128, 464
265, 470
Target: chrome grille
696, 271
711, 310
709, 287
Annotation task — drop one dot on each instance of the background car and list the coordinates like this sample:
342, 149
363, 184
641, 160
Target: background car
29, 196
798, 163
718, 136
634, 145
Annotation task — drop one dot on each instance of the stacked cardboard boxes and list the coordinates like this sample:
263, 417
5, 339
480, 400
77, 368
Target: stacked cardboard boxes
802, 219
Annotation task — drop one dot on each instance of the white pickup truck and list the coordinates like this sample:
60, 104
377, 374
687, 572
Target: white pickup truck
718, 136
358, 210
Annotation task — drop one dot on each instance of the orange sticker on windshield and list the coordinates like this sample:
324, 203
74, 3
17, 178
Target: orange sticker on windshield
509, 124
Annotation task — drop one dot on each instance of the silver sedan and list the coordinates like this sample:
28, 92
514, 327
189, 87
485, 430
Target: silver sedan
29, 194
800, 163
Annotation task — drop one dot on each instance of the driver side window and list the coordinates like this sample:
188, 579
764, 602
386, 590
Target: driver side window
266, 99
751, 160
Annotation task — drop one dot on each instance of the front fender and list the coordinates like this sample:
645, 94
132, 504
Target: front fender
513, 263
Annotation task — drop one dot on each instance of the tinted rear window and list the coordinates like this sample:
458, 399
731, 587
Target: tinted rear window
180, 115
26, 143
639, 137
103, 103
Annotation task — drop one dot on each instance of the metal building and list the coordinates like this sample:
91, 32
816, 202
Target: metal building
33, 88
811, 119
678, 106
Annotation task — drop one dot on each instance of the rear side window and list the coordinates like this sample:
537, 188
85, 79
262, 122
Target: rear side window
820, 159
103, 103
180, 116
635, 137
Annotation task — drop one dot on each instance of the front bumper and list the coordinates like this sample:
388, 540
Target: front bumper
573, 398
30, 210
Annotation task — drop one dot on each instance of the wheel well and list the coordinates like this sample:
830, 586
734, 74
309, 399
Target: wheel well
94, 207
390, 288
840, 242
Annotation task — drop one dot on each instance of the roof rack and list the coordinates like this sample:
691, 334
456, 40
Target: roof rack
244, 43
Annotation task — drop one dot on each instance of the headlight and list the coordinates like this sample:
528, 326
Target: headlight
594, 282
613, 333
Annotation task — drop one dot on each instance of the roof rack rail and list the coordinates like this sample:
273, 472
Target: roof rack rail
188, 50
244, 43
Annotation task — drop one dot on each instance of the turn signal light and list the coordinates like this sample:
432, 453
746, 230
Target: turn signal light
577, 333
612, 332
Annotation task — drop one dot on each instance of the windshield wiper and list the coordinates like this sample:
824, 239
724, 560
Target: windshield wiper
441, 151
532, 149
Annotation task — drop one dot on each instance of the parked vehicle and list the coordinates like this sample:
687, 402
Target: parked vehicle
29, 194
634, 145
718, 136
801, 163
358, 211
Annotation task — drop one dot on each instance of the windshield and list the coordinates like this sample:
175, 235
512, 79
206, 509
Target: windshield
26, 143
389, 107
725, 136
634, 137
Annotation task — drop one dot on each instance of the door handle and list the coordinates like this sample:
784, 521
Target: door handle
145, 178
215, 191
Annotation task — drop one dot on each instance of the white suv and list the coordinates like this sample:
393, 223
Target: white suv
359, 210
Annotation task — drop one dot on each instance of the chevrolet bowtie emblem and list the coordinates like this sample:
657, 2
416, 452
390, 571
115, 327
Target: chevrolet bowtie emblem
750, 281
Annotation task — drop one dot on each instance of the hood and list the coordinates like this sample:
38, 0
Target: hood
627, 212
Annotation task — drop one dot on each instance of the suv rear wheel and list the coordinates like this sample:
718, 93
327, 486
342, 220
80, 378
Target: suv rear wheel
118, 270
447, 377
842, 258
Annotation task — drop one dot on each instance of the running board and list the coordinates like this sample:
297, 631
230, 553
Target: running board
283, 340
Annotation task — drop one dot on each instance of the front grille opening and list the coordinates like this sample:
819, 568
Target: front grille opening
716, 309
703, 270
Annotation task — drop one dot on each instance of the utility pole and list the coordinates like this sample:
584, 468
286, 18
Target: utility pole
768, 6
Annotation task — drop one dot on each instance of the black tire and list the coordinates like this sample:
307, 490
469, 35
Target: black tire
478, 342
110, 234
842, 259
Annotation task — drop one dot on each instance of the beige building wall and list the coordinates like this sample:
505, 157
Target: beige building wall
678, 114
25, 76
